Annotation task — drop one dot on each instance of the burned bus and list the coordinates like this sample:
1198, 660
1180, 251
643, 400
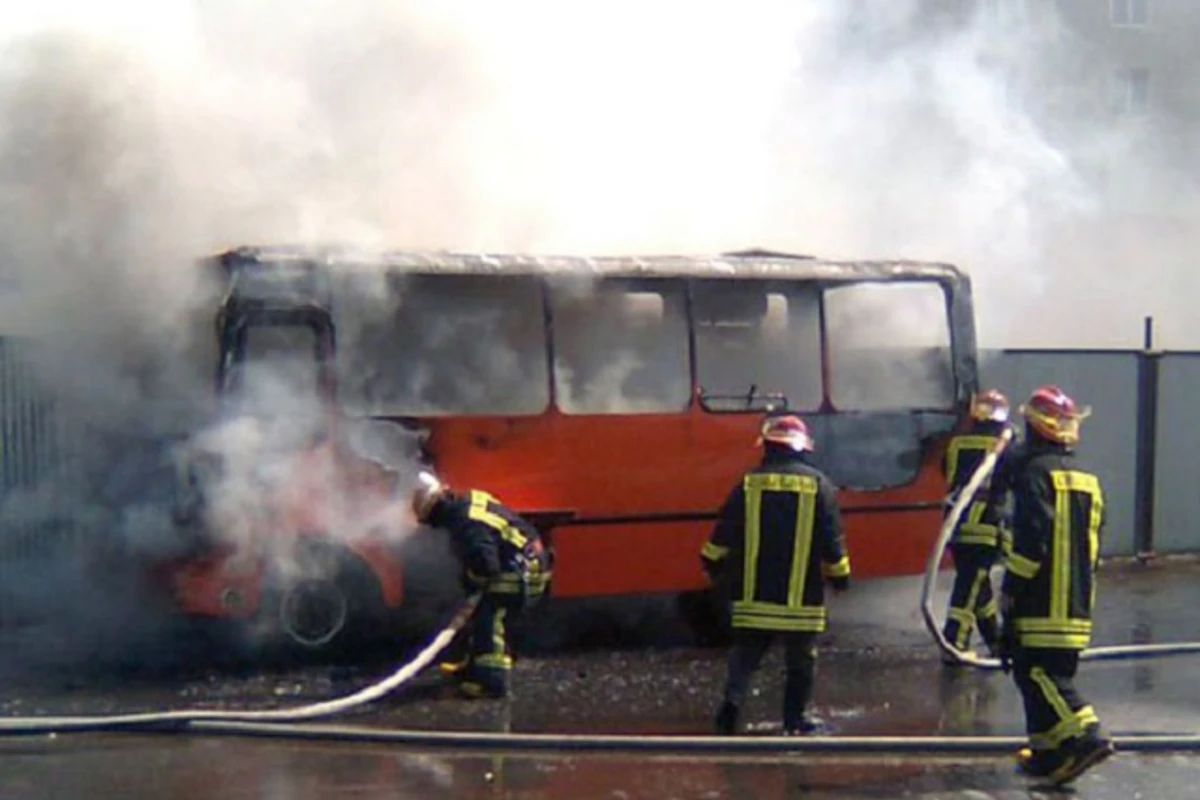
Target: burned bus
613, 401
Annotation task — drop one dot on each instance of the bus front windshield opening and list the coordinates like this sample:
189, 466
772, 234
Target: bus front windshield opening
279, 370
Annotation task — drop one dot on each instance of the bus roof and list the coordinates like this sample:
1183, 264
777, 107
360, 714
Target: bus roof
759, 264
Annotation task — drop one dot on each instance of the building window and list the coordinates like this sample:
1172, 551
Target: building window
1130, 13
1131, 91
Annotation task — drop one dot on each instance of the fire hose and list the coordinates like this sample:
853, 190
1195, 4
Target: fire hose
966, 658
327, 708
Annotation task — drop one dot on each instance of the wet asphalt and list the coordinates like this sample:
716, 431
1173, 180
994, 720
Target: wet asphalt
878, 675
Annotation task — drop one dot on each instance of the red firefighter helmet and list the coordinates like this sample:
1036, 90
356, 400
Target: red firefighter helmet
1052, 414
428, 492
990, 406
787, 430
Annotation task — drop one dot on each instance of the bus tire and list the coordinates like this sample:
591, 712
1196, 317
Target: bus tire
330, 604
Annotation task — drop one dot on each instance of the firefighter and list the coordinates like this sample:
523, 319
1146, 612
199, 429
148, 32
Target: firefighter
977, 541
503, 559
776, 541
1049, 587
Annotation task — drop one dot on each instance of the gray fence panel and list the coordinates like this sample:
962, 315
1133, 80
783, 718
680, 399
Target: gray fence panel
1108, 383
31, 448
1176, 492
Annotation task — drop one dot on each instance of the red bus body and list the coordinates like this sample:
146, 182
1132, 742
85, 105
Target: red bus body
635, 512
627, 499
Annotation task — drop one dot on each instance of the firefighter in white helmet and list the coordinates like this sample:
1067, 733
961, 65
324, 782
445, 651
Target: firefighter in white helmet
777, 541
502, 558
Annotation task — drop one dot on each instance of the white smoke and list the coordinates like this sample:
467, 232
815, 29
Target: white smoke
137, 136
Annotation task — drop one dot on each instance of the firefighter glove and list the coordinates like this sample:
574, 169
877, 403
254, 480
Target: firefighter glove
840, 584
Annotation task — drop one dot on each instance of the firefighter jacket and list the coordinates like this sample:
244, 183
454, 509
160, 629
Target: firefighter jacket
1058, 519
982, 522
777, 537
500, 552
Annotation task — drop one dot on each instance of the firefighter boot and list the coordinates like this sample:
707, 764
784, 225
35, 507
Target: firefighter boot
1035, 763
451, 669
486, 677
797, 692
1079, 755
727, 719
480, 686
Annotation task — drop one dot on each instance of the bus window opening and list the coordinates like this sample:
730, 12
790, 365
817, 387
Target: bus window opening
889, 347
620, 348
757, 345
445, 345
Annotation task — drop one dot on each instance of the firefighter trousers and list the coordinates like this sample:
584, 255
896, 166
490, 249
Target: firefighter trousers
972, 601
800, 660
488, 663
1056, 716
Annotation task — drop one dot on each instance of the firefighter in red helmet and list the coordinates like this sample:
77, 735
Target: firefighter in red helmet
503, 559
1049, 587
777, 540
977, 541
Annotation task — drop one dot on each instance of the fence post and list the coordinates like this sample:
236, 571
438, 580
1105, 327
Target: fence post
1147, 440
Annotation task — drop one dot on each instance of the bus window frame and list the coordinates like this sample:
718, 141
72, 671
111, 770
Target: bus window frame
630, 285
953, 306
234, 326
954, 284
952, 331
542, 299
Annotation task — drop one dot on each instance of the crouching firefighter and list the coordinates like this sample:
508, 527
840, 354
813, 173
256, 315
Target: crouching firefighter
777, 539
978, 539
503, 559
1049, 588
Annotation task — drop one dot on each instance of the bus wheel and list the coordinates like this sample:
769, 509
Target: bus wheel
313, 612
332, 602
705, 617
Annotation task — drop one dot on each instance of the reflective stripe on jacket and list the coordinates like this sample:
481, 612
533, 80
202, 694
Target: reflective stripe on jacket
779, 535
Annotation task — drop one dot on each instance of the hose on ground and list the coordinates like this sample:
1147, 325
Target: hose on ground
678, 744
326, 708
967, 658
286, 723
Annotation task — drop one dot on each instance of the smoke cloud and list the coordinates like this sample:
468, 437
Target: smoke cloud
137, 136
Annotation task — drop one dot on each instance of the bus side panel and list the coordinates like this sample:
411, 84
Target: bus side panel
890, 543
598, 466
625, 465
595, 560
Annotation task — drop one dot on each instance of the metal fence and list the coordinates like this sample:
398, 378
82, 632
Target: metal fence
1108, 381
1141, 438
31, 447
